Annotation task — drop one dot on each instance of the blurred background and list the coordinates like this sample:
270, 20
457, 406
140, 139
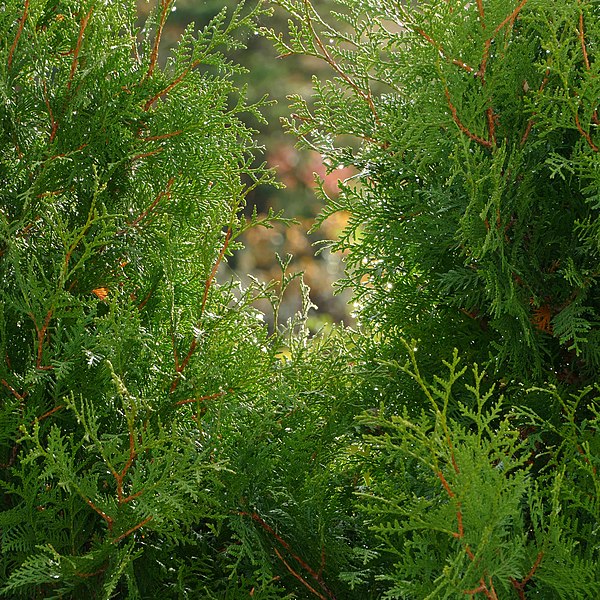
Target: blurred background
294, 168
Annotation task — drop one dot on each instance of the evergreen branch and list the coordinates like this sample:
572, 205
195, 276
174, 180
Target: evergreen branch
584, 133
12, 390
180, 367
172, 85
316, 576
520, 585
202, 398
19, 32
298, 576
586, 60
483, 588
75, 62
164, 136
154, 56
511, 18
146, 154
531, 121
53, 121
130, 531
485, 143
152, 206
326, 56
109, 521
49, 413
41, 335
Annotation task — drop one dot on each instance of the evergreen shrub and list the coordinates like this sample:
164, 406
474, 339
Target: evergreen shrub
157, 439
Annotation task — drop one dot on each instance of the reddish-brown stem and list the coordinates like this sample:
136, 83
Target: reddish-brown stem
120, 476
41, 335
462, 127
173, 84
326, 56
164, 136
511, 18
134, 528
109, 521
50, 412
53, 122
586, 59
12, 390
445, 484
152, 206
584, 51
489, 593
75, 62
316, 576
201, 398
299, 577
530, 122
146, 154
155, 48
481, 13
215, 269
520, 585
180, 367
456, 61
585, 134
19, 32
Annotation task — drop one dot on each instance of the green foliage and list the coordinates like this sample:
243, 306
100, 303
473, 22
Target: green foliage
476, 201
159, 439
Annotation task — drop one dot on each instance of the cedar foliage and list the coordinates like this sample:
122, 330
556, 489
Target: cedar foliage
158, 440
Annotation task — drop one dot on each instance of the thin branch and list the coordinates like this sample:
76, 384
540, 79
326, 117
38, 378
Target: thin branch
326, 56
299, 577
130, 531
511, 18
173, 84
152, 206
53, 122
179, 367
520, 585
84, 23
202, 398
50, 412
12, 390
316, 576
585, 134
154, 55
19, 32
462, 127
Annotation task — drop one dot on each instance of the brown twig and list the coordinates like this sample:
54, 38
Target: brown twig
41, 335
531, 121
326, 56
75, 62
152, 206
12, 390
155, 48
164, 136
47, 414
298, 576
19, 32
316, 576
107, 518
462, 127
53, 122
173, 84
511, 18
520, 585
201, 398
134, 528
585, 134
180, 367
